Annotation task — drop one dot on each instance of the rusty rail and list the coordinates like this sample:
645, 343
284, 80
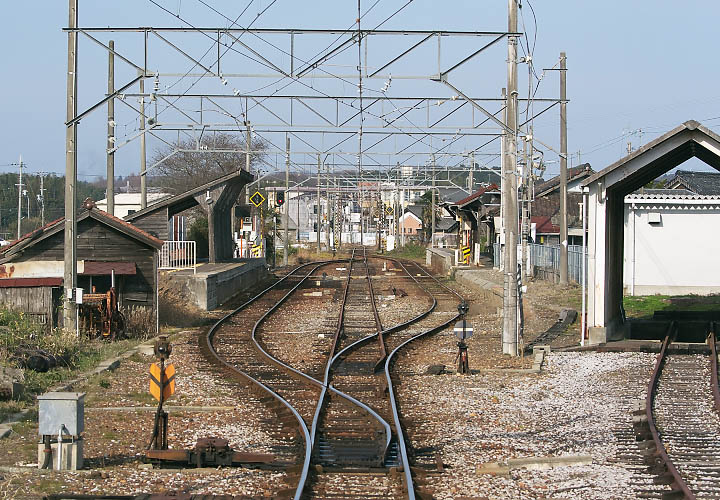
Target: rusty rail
678, 483
714, 385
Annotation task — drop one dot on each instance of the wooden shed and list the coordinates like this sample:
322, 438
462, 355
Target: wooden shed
31, 268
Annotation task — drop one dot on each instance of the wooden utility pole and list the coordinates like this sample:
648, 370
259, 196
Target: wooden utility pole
286, 239
563, 172
110, 186
70, 267
510, 201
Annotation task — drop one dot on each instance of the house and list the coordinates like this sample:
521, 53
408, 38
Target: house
411, 221
32, 268
476, 226
702, 183
129, 203
667, 245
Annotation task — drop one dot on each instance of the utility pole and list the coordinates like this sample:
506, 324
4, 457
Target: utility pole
327, 206
286, 245
70, 267
524, 224
20, 190
41, 199
432, 229
110, 187
563, 172
510, 202
143, 175
319, 209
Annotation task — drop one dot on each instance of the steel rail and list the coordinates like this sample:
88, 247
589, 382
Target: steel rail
326, 386
301, 422
678, 482
378, 323
391, 390
714, 384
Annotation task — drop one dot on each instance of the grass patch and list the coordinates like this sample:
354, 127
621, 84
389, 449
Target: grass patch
411, 251
645, 306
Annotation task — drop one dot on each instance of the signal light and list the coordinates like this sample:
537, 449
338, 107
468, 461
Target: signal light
280, 198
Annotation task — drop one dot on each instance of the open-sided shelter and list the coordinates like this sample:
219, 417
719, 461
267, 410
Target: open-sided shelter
606, 191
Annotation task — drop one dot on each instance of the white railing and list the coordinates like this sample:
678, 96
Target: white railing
178, 255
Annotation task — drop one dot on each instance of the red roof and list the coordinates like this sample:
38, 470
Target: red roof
97, 268
544, 225
477, 194
25, 282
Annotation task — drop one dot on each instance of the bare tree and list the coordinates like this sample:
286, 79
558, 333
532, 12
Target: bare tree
219, 154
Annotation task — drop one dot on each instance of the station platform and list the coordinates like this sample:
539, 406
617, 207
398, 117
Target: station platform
210, 285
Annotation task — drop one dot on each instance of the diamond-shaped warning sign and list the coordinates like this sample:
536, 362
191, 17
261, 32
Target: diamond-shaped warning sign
257, 199
389, 210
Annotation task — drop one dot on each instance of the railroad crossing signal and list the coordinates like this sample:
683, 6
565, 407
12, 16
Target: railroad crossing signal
463, 330
162, 378
257, 199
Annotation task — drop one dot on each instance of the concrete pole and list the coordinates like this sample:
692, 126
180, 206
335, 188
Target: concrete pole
327, 208
563, 172
380, 215
524, 224
286, 240
20, 189
432, 228
319, 207
510, 202
42, 199
70, 267
143, 177
110, 187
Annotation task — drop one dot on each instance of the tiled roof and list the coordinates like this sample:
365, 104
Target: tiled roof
703, 183
582, 170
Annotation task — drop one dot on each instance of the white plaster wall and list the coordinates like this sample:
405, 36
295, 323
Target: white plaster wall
677, 256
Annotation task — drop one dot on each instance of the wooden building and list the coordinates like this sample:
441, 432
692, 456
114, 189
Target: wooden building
32, 268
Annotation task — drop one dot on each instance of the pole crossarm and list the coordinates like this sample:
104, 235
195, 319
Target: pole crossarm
113, 52
443, 74
92, 108
478, 107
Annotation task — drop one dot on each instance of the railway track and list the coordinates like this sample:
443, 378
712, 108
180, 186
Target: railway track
682, 412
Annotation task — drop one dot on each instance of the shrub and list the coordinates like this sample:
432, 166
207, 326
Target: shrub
139, 322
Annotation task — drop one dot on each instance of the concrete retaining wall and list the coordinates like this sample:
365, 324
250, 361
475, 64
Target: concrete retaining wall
210, 289
439, 260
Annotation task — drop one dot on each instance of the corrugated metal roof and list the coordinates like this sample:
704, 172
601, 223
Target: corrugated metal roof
28, 282
96, 268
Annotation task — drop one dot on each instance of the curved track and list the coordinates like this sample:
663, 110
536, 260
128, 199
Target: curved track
348, 422
683, 416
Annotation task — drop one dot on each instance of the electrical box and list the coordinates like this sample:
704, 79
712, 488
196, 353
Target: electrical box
61, 408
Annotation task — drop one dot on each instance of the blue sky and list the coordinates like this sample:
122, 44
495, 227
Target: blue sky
633, 66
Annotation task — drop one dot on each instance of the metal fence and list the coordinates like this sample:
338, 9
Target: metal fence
545, 260
178, 255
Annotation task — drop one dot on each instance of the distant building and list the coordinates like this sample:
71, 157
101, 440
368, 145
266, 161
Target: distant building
702, 183
129, 203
